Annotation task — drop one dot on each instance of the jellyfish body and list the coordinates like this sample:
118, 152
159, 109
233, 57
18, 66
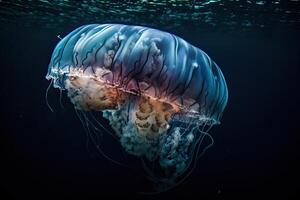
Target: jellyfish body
159, 92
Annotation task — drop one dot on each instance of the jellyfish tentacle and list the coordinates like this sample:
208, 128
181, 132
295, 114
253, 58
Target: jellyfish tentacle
193, 159
84, 127
46, 95
91, 136
101, 126
97, 144
198, 144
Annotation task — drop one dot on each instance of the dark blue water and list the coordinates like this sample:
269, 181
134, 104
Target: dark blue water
256, 146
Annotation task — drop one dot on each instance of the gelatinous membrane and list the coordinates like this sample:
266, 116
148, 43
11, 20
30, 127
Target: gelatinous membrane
160, 93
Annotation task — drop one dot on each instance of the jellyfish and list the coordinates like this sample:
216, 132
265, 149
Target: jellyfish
160, 94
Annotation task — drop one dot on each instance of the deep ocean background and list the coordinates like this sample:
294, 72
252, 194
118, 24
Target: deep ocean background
256, 151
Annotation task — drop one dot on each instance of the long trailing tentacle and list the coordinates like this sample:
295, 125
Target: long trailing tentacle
83, 124
101, 125
195, 149
197, 155
46, 95
206, 133
196, 145
93, 137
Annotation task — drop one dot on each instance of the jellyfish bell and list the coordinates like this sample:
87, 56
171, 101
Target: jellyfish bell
159, 93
